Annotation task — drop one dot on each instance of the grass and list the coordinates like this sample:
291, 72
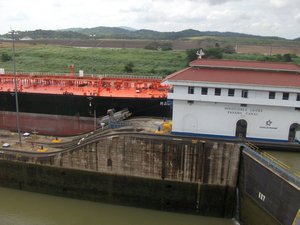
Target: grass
260, 41
296, 61
256, 57
55, 59
47, 58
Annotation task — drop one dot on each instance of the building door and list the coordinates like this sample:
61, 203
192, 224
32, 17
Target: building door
241, 129
294, 130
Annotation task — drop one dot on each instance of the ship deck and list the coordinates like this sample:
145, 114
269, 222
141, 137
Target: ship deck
132, 87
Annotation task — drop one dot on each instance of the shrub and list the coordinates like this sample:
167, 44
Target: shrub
152, 46
191, 55
5, 57
287, 58
167, 46
128, 68
229, 49
213, 53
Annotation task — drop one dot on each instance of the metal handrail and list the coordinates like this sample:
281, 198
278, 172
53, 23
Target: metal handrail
267, 155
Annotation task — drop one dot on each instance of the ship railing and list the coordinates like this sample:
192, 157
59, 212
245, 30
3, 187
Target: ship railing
89, 75
37, 73
131, 76
271, 162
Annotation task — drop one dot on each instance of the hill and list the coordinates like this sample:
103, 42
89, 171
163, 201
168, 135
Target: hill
126, 37
47, 34
103, 32
123, 33
118, 32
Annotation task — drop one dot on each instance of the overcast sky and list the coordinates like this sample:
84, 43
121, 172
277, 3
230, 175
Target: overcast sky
260, 17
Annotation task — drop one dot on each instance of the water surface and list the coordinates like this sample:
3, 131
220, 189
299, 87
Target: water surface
27, 208
291, 159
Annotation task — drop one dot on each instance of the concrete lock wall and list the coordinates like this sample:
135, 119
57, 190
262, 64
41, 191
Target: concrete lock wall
185, 176
265, 193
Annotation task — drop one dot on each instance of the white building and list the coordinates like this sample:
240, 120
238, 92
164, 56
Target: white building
222, 98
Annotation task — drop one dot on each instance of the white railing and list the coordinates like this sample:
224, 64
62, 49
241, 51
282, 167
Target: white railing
87, 75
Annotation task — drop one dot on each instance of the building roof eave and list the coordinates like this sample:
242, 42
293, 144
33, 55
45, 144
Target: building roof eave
175, 74
228, 85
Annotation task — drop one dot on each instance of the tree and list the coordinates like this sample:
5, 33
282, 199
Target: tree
191, 55
128, 68
229, 49
287, 58
5, 57
152, 45
213, 53
166, 46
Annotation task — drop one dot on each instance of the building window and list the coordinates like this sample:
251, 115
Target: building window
272, 95
218, 91
231, 92
298, 97
191, 90
204, 91
285, 96
244, 93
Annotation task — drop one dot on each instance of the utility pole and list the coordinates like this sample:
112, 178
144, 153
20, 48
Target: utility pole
95, 120
16, 87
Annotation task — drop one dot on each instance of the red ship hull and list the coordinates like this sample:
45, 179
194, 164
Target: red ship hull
66, 104
54, 125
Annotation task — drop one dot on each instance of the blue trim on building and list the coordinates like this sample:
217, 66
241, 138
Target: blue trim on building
231, 137
266, 140
203, 135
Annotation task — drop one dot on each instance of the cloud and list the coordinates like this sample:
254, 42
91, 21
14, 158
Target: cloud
279, 3
56, 5
19, 16
218, 2
219, 14
137, 8
270, 17
244, 16
215, 2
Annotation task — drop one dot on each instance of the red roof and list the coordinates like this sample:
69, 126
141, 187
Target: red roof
252, 65
234, 75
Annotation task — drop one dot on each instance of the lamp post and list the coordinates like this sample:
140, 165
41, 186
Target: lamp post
95, 120
16, 87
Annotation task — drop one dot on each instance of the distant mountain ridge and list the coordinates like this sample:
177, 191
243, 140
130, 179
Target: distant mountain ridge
125, 33
120, 32
46, 34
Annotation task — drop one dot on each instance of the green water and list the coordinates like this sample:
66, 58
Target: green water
291, 159
26, 208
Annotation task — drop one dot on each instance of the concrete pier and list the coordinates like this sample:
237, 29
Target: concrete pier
177, 160
186, 175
